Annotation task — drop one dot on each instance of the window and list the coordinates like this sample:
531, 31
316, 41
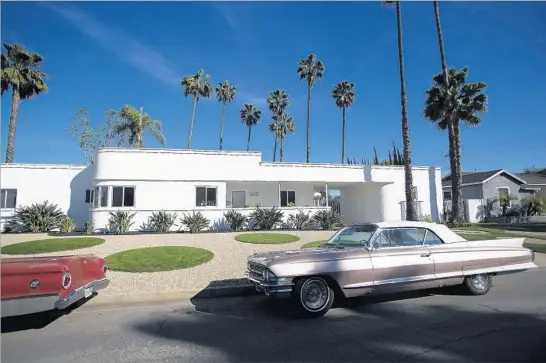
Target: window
447, 195
101, 197
288, 198
430, 238
398, 237
9, 198
123, 196
505, 192
358, 236
205, 196
89, 196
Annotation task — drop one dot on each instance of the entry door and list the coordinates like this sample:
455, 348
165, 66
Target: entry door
400, 262
238, 199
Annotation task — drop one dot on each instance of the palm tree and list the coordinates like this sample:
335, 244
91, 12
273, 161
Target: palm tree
278, 103
20, 71
311, 70
281, 128
250, 115
408, 176
447, 106
196, 86
132, 125
344, 96
225, 93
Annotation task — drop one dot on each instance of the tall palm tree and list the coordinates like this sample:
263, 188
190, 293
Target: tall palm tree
408, 175
133, 123
20, 71
278, 102
287, 125
452, 128
448, 106
344, 96
196, 86
250, 115
225, 93
311, 70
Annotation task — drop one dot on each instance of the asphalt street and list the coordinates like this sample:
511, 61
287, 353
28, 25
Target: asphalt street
508, 324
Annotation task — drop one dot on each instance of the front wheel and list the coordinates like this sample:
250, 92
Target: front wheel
478, 284
313, 297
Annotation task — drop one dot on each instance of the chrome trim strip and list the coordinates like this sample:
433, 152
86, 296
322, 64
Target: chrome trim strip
79, 293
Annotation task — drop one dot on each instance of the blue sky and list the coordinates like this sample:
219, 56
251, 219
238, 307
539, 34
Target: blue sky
104, 55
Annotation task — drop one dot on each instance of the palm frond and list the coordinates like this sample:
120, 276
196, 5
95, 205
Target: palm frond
343, 94
250, 115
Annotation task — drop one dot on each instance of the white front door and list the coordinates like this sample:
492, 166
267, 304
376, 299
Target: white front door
238, 199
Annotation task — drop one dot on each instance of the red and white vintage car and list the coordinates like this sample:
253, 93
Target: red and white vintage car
36, 284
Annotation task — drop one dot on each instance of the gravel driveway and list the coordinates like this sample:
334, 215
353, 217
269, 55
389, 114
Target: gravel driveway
229, 258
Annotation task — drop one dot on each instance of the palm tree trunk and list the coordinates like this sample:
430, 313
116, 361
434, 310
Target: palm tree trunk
408, 176
15, 101
458, 170
308, 121
282, 147
455, 186
222, 126
276, 136
191, 122
248, 140
343, 139
139, 131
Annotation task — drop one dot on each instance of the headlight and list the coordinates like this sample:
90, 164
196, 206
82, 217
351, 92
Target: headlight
269, 276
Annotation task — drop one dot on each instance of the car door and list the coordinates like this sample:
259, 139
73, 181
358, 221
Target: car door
400, 261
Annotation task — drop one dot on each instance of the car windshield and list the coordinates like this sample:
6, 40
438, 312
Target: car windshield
354, 236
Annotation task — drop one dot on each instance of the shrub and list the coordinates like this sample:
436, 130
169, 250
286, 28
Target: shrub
39, 217
195, 222
301, 220
533, 206
161, 221
88, 227
266, 218
236, 220
427, 218
120, 221
327, 219
67, 225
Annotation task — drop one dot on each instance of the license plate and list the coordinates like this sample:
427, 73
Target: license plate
88, 292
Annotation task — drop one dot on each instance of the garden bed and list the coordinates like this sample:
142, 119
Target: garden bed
313, 244
51, 245
266, 238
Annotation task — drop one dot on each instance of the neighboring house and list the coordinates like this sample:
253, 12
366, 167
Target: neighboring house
144, 181
535, 181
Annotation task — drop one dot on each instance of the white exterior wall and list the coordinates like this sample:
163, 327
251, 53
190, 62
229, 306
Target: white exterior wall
268, 192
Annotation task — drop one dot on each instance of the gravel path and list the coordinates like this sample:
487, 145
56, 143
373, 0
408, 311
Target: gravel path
229, 258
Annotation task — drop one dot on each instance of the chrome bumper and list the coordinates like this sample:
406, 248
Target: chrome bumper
269, 288
79, 293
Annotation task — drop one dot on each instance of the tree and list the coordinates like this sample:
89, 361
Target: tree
408, 176
20, 72
447, 107
278, 102
196, 86
282, 128
225, 93
133, 123
311, 70
344, 96
250, 115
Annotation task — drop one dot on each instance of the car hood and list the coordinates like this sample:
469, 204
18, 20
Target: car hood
296, 256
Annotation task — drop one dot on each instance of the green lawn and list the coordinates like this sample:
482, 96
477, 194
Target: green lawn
493, 233
535, 247
266, 238
154, 259
312, 244
51, 245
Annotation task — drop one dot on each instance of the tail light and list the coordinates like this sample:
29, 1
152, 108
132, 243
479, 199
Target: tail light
104, 269
67, 280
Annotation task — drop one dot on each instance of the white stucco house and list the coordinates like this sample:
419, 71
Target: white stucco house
212, 182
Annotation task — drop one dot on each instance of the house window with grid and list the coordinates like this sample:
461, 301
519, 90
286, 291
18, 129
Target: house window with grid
288, 198
89, 196
9, 198
100, 197
123, 197
205, 196
504, 193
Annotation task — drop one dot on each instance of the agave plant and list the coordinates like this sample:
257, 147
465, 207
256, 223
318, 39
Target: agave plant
67, 225
327, 219
88, 227
195, 222
120, 221
236, 220
266, 218
38, 217
298, 221
161, 221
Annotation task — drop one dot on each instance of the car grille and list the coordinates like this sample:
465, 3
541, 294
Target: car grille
256, 270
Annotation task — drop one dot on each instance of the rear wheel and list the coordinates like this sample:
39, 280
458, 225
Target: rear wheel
478, 284
313, 297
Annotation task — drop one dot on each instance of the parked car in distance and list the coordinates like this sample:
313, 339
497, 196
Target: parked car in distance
376, 258
36, 284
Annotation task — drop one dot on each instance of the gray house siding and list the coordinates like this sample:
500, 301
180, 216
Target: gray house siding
468, 191
490, 188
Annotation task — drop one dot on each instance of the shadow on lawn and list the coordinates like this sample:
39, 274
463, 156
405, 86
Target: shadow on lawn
396, 327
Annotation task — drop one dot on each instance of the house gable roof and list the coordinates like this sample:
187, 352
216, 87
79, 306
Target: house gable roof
480, 177
532, 178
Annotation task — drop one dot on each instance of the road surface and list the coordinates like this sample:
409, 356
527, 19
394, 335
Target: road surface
508, 324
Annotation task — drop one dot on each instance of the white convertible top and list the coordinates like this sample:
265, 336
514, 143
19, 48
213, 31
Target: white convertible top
447, 235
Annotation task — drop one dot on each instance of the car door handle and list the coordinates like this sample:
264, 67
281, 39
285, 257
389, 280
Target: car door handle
426, 254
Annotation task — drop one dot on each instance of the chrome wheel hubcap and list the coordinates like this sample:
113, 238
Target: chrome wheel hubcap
479, 281
314, 295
